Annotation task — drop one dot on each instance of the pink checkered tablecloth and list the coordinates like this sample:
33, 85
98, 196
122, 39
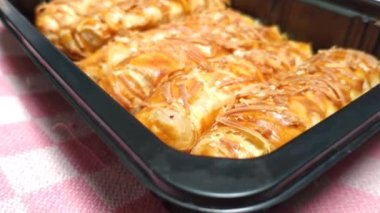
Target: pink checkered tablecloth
51, 161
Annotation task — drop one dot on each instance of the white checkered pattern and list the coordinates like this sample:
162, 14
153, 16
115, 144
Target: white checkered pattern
50, 159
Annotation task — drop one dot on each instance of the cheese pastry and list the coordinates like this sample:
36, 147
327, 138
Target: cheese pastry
129, 69
58, 17
266, 116
95, 30
187, 104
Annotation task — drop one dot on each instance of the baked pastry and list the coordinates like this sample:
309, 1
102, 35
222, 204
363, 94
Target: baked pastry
57, 17
94, 30
266, 116
130, 67
225, 28
186, 105
132, 81
206, 80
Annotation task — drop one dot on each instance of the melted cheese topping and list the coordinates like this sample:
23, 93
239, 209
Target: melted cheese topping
211, 81
267, 116
80, 29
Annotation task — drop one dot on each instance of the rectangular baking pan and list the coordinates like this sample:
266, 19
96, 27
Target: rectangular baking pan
222, 185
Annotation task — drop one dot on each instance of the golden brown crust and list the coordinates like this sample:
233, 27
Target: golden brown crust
129, 68
206, 27
90, 29
266, 116
132, 81
58, 17
213, 82
185, 106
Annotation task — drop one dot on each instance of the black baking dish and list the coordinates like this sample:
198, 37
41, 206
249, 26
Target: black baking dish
222, 185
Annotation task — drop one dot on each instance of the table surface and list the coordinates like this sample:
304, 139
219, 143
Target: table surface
51, 160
